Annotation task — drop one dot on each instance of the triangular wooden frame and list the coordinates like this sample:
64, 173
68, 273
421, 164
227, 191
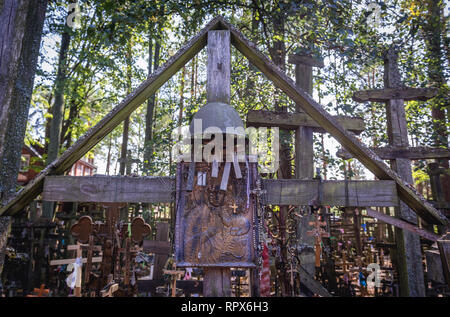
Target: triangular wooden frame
367, 157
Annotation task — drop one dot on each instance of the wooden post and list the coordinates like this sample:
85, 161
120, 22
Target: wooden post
304, 155
304, 159
409, 255
79, 255
357, 228
162, 234
217, 281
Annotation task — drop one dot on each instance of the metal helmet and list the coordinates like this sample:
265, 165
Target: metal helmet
220, 115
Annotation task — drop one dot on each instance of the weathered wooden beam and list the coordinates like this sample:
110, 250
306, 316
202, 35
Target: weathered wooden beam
369, 159
97, 259
109, 189
444, 250
411, 153
402, 224
162, 234
386, 94
111, 120
313, 285
291, 121
306, 60
217, 281
306, 192
156, 247
304, 167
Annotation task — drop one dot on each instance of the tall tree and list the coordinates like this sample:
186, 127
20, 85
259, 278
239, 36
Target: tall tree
153, 60
126, 124
58, 106
21, 24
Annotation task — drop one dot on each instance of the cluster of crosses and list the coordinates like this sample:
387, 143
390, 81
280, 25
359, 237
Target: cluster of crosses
219, 214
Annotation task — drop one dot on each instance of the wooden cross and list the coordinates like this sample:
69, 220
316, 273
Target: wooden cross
40, 292
175, 274
394, 94
318, 233
139, 229
78, 287
234, 207
82, 229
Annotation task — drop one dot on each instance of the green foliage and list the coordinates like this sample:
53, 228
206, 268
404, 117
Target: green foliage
338, 31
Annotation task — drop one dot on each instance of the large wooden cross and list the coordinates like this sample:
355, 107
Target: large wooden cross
391, 183
394, 94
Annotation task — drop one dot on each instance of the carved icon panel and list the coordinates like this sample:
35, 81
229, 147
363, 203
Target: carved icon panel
215, 226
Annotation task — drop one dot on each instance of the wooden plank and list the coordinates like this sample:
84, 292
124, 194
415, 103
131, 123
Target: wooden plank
295, 192
369, 159
217, 281
97, 259
304, 169
72, 247
111, 120
305, 60
156, 247
402, 224
306, 192
304, 142
313, 285
219, 63
386, 94
444, 251
162, 234
291, 121
111, 189
410, 153
434, 266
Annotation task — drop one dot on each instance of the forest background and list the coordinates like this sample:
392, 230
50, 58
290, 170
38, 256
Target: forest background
107, 48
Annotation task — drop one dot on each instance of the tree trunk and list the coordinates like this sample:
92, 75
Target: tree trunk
21, 23
58, 105
433, 29
108, 160
57, 111
126, 124
148, 147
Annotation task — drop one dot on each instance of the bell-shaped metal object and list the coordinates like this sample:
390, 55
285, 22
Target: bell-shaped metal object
219, 115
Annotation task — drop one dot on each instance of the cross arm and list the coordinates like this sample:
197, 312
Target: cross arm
291, 121
412, 153
386, 94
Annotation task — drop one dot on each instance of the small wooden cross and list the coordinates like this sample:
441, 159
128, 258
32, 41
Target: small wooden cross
82, 229
139, 229
175, 274
234, 207
40, 292
318, 233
